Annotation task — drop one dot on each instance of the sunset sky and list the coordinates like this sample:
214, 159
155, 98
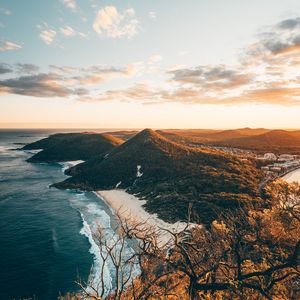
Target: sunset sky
158, 63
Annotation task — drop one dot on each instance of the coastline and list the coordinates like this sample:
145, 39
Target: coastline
293, 176
69, 164
131, 207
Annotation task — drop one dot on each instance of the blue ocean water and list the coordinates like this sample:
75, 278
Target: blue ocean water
45, 234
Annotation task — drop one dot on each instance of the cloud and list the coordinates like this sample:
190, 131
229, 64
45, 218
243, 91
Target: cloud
40, 85
276, 95
110, 23
68, 31
281, 39
5, 11
145, 94
27, 69
289, 23
141, 92
18, 68
187, 75
95, 75
266, 72
63, 70
152, 14
48, 36
70, 4
5, 68
61, 81
94, 79
208, 78
154, 59
182, 52
9, 46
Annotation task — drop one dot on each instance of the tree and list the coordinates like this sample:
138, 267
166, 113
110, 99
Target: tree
249, 253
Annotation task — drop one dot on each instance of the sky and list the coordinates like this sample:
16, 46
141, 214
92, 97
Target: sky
142, 63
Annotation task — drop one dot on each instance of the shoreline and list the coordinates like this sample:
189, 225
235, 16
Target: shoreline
131, 207
293, 176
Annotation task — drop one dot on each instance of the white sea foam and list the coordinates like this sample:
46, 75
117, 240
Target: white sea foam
95, 276
118, 184
7, 151
94, 217
4, 149
138, 171
68, 164
33, 151
54, 239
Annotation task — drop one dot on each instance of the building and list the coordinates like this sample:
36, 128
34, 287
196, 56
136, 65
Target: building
276, 169
286, 157
270, 156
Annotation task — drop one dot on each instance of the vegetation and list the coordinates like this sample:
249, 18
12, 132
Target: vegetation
261, 140
72, 146
171, 177
252, 254
277, 141
245, 248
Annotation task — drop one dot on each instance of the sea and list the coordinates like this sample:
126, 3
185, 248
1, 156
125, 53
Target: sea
46, 240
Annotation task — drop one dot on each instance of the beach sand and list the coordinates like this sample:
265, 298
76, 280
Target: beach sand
131, 207
292, 176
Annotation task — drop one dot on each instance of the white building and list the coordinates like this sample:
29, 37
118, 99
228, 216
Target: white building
270, 156
286, 157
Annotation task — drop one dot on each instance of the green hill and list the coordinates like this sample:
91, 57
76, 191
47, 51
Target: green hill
278, 141
259, 139
72, 146
170, 176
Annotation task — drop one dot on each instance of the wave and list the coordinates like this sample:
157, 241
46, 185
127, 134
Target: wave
68, 164
4, 149
32, 151
54, 239
7, 151
95, 275
94, 217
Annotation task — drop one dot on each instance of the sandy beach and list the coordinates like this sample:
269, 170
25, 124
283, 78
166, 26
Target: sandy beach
292, 176
131, 207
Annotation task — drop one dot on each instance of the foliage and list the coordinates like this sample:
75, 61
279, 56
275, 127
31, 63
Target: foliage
173, 175
253, 254
72, 146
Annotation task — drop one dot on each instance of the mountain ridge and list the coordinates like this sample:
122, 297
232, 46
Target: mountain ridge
72, 146
272, 141
170, 176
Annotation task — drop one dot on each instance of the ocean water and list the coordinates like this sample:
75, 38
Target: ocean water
46, 240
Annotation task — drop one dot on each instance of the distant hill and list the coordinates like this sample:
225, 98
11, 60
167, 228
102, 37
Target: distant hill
123, 134
72, 146
170, 176
278, 141
258, 139
207, 136
236, 133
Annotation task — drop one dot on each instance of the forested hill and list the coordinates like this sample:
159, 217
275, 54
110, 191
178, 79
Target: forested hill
72, 146
170, 176
260, 139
